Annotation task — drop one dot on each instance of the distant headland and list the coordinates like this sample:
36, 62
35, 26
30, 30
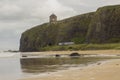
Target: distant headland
100, 27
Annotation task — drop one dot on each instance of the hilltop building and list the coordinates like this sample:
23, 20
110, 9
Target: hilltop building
53, 18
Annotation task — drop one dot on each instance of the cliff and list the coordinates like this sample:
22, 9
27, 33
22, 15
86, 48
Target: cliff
105, 25
102, 26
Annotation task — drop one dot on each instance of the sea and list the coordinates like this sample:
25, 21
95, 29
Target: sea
10, 67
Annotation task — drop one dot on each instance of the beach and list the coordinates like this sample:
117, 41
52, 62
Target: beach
105, 52
109, 70
106, 70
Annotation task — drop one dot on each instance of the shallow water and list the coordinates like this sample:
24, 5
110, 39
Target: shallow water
13, 67
38, 65
10, 68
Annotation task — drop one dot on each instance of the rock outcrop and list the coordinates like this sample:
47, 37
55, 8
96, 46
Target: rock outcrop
102, 26
105, 25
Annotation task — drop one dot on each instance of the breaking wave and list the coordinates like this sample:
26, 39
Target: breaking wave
8, 54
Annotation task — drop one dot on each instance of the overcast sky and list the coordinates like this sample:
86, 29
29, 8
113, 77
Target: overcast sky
16, 16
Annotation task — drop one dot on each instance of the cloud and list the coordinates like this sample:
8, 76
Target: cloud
8, 10
84, 6
52, 6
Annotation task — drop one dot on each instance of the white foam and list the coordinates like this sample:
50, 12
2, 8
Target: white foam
8, 54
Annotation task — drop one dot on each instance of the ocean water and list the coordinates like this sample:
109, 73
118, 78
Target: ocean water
10, 68
14, 67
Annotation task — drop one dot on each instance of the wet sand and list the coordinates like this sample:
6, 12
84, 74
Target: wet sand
109, 52
107, 70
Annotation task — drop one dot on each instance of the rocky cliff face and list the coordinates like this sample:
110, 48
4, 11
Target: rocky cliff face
102, 26
105, 25
72, 29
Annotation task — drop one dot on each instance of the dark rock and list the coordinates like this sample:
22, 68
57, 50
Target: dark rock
98, 63
57, 55
74, 54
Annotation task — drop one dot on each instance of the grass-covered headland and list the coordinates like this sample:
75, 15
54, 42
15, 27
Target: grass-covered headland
94, 30
115, 46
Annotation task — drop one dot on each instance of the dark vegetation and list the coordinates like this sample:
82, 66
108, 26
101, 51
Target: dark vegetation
76, 47
102, 26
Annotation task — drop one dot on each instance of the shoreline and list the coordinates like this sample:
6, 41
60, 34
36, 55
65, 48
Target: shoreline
102, 70
106, 70
106, 52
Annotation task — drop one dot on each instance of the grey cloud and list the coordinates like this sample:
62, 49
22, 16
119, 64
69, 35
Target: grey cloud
8, 40
27, 9
83, 6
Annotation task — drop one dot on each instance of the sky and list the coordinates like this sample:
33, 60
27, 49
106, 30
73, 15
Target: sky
16, 16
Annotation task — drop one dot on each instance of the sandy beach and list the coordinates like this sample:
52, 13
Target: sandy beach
108, 52
108, 70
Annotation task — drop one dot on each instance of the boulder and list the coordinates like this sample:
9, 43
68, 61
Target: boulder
75, 54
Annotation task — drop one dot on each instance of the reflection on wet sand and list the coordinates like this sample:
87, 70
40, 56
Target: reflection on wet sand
40, 65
